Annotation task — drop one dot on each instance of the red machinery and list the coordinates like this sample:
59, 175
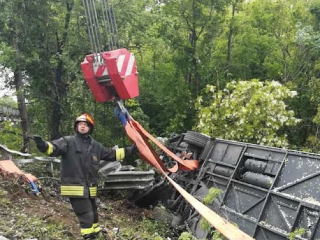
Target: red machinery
110, 74
115, 76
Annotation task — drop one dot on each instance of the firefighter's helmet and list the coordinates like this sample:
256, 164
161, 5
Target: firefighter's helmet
84, 118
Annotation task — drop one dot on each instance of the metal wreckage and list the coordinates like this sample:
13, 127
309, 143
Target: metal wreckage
268, 193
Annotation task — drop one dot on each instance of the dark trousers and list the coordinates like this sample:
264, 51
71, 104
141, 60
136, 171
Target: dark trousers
86, 211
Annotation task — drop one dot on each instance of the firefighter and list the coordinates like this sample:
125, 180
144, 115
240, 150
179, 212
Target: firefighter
80, 159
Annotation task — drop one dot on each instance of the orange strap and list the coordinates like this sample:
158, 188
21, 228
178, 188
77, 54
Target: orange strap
146, 152
136, 131
140, 136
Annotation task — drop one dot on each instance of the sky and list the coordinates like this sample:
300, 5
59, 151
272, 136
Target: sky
3, 90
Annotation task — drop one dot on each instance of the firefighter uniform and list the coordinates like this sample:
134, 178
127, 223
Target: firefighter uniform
80, 160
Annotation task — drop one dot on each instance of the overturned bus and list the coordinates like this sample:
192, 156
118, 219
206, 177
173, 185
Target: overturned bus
269, 193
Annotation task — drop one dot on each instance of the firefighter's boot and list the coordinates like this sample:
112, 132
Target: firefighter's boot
102, 235
89, 236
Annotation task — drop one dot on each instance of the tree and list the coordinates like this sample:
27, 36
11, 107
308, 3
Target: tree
190, 31
49, 82
173, 58
13, 32
249, 111
37, 37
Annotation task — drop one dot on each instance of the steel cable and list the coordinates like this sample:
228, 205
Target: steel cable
110, 24
106, 26
96, 28
113, 24
90, 28
115, 28
93, 29
85, 6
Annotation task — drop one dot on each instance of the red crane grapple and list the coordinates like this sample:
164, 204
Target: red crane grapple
111, 74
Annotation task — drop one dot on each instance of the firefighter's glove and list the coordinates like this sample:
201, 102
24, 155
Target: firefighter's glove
121, 115
42, 145
133, 149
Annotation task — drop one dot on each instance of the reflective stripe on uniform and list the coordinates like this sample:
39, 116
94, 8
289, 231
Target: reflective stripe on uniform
85, 231
50, 149
93, 191
72, 190
120, 154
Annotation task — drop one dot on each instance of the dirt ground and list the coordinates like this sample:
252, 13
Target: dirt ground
16, 199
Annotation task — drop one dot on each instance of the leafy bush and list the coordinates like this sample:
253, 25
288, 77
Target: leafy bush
248, 111
11, 135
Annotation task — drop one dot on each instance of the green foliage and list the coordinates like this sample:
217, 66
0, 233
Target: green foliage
180, 47
173, 65
212, 194
6, 52
249, 111
218, 236
145, 229
5, 202
186, 236
164, 96
297, 232
205, 224
11, 135
26, 226
8, 101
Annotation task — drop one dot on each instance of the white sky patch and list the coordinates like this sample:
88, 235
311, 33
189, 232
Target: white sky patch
5, 90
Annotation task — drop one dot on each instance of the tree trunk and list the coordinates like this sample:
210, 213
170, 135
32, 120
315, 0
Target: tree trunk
18, 82
59, 91
230, 35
